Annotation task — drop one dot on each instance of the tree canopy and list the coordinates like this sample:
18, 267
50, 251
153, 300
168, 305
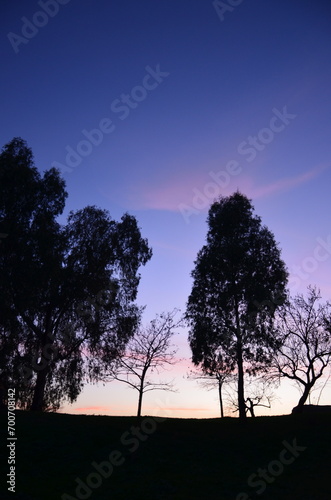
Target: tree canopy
67, 292
239, 280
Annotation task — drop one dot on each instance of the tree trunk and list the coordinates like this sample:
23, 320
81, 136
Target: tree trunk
39, 391
251, 407
304, 396
141, 392
241, 396
140, 402
220, 396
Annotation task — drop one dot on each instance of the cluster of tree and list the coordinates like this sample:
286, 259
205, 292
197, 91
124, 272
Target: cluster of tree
67, 292
241, 318
68, 313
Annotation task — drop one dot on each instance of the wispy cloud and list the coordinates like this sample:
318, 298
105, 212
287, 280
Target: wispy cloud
287, 183
182, 189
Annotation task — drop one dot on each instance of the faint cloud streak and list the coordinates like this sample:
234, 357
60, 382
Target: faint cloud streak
178, 190
288, 183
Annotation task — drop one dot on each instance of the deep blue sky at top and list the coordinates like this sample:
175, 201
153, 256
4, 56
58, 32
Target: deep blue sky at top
225, 78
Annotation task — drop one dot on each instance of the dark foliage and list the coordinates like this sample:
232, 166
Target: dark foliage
66, 292
239, 281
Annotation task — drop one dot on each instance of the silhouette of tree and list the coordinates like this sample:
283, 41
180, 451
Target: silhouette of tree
66, 292
214, 373
238, 274
258, 394
149, 351
305, 349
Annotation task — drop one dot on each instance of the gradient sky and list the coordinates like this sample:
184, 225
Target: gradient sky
242, 97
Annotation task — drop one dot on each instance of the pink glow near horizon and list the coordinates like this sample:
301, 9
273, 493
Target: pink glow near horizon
183, 190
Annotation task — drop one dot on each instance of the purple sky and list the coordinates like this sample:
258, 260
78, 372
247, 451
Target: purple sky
156, 108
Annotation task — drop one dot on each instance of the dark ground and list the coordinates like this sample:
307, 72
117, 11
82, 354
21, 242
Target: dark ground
180, 459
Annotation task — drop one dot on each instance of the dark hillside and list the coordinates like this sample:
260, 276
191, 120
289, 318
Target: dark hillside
177, 459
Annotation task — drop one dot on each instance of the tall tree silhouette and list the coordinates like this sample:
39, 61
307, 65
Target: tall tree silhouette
239, 281
66, 292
